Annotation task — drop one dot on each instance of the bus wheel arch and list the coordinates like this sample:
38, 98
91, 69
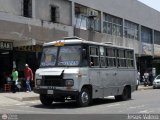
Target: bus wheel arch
84, 97
126, 94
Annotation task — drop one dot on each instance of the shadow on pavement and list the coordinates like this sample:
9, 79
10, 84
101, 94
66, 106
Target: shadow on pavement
73, 105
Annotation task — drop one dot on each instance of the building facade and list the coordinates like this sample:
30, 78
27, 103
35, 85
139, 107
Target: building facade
26, 24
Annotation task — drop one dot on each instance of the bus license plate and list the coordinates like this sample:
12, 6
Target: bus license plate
50, 92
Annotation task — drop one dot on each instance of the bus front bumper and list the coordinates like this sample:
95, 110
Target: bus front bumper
55, 92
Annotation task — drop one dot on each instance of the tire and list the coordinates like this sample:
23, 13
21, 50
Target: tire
136, 87
84, 98
46, 100
154, 87
126, 95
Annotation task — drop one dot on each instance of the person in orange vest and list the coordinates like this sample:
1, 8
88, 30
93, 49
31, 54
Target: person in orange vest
28, 77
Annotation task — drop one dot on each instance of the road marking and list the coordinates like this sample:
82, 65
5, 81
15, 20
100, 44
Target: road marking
134, 107
144, 111
113, 105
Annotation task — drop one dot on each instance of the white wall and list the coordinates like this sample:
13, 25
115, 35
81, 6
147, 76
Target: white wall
14, 7
43, 10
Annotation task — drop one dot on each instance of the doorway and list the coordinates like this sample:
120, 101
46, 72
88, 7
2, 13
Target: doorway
5, 66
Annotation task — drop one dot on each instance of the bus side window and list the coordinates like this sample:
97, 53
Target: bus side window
84, 57
94, 56
91, 62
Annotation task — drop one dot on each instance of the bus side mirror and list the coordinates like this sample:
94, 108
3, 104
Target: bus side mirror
84, 53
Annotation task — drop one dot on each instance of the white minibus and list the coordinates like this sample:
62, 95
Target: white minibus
76, 69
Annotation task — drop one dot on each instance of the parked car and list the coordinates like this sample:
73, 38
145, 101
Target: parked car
156, 82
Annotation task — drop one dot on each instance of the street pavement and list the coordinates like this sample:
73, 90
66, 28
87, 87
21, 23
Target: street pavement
7, 97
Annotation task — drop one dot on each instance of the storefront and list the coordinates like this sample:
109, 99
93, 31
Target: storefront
17, 57
6, 61
27, 54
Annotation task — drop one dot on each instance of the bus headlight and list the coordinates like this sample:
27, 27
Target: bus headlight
37, 76
69, 82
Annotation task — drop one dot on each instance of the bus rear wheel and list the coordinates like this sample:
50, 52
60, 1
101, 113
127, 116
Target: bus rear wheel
84, 98
46, 100
126, 95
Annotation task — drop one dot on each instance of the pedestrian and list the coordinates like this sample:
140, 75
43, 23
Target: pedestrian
28, 77
14, 80
150, 78
146, 78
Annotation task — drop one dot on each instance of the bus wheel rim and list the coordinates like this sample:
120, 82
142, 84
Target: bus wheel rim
84, 97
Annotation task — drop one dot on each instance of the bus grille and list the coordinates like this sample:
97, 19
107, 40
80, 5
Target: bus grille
53, 81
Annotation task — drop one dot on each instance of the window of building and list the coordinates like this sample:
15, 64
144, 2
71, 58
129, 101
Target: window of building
27, 8
131, 30
157, 37
83, 18
146, 35
112, 25
54, 14
94, 56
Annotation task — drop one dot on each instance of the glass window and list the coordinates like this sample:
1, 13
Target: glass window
94, 51
131, 30
112, 25
130, 58
157, 37
94, 56
83, 21
146, 35
102, 57
69, 56
49, 56
110, 57
102, 61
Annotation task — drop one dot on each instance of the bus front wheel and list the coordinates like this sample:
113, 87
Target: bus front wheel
84, 98
46, 100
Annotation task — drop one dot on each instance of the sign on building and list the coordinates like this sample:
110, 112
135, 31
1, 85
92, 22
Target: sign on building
6, 45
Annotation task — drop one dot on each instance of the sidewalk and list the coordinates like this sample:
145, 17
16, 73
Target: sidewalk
20, 96
142, 87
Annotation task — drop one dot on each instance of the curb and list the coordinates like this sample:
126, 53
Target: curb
30, 98
145, 88
24, 98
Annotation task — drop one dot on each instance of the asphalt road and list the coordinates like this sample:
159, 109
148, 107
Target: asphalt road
142, 102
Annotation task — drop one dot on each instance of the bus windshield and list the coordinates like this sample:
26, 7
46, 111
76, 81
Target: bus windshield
61, 56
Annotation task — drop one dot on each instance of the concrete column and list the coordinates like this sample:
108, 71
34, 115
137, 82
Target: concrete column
140, 41
73, 17
101, 22
153, 43
73, 14
33, 9
123, 24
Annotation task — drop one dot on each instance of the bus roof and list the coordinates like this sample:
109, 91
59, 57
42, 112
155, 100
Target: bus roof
77, 40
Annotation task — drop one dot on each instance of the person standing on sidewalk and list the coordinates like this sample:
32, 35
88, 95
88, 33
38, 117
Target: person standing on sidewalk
28, 77
14, 80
